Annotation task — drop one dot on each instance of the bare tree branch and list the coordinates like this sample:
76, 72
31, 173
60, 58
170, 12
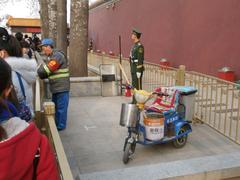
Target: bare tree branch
34, 7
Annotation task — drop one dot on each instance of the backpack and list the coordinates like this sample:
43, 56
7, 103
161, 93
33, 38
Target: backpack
24, 111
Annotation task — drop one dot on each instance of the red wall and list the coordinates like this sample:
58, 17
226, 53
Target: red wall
204, 35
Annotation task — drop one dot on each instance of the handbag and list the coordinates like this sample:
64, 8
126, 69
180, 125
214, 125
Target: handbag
24, 111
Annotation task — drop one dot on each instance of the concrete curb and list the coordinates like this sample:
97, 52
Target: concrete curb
204, 168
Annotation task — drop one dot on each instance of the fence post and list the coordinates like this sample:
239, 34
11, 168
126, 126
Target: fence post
49, 111
54, 138
38, 99
49, 108
180, 76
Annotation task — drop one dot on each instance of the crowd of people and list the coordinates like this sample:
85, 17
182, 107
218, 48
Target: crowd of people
19, 69
28, 44
26, 153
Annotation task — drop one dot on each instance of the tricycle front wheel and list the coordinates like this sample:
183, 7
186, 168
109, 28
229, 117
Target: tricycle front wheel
180, 142
129, 150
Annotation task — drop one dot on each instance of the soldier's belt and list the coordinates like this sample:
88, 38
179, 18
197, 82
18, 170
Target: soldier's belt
139, 66
134, 60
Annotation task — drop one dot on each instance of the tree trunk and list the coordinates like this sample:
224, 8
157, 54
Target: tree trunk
44, 18
78, 48
62, 25
52, 12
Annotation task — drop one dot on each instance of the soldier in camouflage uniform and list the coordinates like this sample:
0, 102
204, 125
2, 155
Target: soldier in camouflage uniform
136, 61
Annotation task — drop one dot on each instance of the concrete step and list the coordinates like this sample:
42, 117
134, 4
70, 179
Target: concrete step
216, 167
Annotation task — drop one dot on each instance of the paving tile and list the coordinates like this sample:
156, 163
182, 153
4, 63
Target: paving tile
93, 140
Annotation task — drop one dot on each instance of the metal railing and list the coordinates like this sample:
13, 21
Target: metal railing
154, 75
45, 121
217, 101
157, 75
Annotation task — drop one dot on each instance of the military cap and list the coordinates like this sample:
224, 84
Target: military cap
136, 32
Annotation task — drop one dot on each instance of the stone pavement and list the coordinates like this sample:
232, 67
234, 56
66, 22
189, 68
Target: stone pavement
93, 143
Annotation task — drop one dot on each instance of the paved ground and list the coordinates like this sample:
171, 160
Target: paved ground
93, 140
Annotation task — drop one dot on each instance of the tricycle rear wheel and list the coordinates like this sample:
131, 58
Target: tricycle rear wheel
180, 142
129, 150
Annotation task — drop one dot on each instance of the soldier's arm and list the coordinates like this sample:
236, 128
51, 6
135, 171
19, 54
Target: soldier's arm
140, 58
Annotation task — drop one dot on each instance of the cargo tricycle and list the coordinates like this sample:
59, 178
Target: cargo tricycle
158, 117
